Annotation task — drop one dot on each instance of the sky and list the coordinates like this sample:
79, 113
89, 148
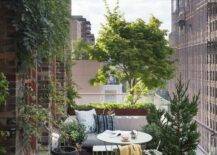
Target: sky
94, 10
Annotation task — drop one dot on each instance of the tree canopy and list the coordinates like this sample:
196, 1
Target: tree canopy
135, 53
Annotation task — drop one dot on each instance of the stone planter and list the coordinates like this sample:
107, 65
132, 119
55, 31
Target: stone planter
65, 150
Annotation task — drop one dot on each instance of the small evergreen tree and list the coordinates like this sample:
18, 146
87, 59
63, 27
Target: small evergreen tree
180, 131
176, 129
154, 128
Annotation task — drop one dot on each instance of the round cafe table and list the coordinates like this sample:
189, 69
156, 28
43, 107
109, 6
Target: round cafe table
110, 137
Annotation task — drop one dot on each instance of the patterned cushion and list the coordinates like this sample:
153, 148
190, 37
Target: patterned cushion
87, 119
103, 122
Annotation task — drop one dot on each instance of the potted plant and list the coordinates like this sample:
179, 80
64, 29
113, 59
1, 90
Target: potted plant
65, 150
73, 134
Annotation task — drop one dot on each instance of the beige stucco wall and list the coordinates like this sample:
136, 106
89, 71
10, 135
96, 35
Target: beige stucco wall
82, 72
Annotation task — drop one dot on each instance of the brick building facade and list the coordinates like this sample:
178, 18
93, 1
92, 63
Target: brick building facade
8, 66
38, 78
194, 38
82, 29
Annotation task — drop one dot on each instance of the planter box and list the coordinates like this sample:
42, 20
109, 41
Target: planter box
120, 112
125, 112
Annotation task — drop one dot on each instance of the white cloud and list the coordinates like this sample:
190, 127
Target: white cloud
94, 11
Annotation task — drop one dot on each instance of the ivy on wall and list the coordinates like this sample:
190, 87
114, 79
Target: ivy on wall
42, 33
3, 89
3, 97
42, 29
32, 117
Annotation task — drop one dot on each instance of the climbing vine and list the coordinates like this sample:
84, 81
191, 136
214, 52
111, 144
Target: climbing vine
3, 89
31, 117
42, 29
58, 99
3, 97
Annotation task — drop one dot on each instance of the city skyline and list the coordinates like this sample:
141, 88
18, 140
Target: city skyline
94, 11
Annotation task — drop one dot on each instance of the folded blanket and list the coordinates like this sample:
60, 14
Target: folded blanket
131, 150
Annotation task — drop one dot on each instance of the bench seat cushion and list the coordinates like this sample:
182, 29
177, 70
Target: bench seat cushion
92, 140
129, 123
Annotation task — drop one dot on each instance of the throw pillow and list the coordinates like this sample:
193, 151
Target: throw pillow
103, 122
87, 119
70, 119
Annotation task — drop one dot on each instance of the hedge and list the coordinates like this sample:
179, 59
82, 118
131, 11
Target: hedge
110, 106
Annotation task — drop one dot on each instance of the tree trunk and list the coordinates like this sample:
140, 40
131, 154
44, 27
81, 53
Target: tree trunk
133, 98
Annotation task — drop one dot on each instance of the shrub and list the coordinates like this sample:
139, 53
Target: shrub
74, 132
176, 129
154, 127
155, 131
110, 106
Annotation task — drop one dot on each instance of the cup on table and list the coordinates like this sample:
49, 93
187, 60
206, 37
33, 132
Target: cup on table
125, 136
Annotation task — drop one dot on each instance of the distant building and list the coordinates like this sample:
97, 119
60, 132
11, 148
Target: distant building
85, 70
194, 39
82, 29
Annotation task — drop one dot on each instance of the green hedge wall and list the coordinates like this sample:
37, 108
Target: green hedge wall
110, 106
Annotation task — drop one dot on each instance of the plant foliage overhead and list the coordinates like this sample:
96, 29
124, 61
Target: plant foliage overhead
43, 28
136, 53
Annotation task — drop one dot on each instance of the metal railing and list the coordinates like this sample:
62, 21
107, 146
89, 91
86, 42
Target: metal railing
86, 98
208, 136
208, 139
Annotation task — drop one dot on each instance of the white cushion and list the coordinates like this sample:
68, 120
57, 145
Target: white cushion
54, 140
87, 119
70, 119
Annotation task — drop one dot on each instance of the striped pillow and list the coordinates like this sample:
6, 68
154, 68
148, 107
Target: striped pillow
103, 122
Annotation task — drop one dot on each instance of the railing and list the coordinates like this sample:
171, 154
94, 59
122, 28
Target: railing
86, 98
208, 139
161, 103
